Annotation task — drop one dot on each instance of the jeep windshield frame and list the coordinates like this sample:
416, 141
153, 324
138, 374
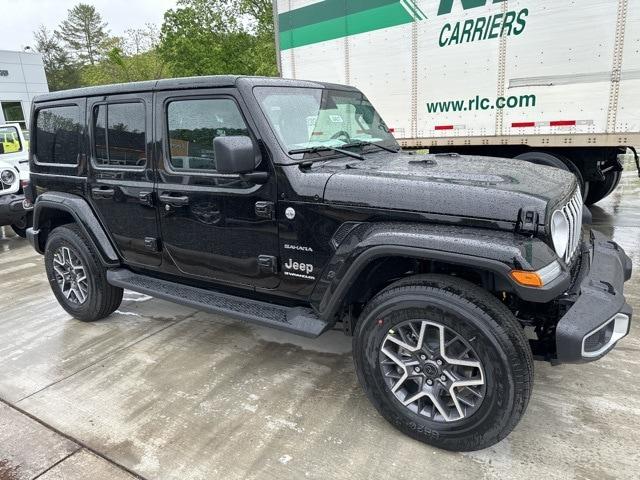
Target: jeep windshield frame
317, 121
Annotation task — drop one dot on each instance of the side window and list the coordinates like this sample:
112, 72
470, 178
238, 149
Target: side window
119, 135
58, 135
192, 126
9, 140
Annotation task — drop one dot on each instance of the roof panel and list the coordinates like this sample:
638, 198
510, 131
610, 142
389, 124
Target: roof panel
212, 81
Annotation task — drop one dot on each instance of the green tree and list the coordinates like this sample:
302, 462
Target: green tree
260, 11
85, 33
61, 71
208, 37
130, 58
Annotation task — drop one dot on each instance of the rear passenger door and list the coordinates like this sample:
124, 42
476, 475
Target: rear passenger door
121, 174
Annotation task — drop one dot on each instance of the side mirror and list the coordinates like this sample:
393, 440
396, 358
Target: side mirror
234, 154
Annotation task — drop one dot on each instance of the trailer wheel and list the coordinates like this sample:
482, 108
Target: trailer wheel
557, 161
601, 190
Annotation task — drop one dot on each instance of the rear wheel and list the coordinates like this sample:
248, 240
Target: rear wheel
601, 190
444, 362
77, 277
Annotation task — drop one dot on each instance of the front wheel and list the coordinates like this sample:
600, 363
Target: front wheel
444, 361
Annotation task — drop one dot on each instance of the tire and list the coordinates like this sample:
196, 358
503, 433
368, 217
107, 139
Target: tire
68, 251
503, 360
601, 190
557, 161
20, 228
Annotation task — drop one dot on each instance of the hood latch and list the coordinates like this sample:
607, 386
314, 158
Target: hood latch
527, 221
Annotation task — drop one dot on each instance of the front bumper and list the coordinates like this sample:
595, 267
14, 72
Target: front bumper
599, 315
12, 208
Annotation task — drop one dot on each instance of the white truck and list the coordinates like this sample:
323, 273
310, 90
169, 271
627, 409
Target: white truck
556, 83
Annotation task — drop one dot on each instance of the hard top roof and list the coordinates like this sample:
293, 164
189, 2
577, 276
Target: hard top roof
182, 83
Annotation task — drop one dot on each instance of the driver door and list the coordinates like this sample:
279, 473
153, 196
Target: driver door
213, 226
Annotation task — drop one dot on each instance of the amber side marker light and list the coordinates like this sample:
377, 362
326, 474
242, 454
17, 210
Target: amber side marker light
528, 279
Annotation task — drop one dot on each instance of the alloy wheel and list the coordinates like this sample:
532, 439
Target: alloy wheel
71, 275
432, 370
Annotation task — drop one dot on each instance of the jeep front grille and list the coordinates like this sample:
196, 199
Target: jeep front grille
573, 212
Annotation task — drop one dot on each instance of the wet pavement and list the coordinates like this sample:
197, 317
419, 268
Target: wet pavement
162, 391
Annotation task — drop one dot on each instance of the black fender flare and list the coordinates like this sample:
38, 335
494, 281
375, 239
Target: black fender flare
494, 251
83, 215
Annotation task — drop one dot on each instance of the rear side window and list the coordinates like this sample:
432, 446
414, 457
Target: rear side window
193, 124
58, 135
119, 135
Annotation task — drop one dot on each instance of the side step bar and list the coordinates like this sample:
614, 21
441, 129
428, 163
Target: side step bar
298, 320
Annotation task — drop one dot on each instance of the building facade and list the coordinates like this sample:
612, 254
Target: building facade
22, 77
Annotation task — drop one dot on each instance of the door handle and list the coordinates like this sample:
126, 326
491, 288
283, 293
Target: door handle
102, 192
175, 200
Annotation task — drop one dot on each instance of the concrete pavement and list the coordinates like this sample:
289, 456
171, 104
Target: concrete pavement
164, 392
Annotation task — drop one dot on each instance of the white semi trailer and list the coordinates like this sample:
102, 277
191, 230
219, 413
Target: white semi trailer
549, 82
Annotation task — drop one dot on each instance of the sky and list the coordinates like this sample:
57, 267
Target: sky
27, 15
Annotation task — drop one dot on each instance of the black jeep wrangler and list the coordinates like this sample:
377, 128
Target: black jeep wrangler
290, 204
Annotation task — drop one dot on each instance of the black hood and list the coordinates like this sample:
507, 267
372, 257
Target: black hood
464, 186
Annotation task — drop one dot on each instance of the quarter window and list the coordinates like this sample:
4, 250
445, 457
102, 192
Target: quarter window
58, 135
119, 135
193, 124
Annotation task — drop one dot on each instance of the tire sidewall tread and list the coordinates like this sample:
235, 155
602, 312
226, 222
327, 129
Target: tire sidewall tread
103, 298
516, 361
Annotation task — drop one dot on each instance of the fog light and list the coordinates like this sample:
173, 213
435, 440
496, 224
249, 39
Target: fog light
598, 341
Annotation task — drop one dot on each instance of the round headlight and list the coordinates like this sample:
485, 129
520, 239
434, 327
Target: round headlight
560, 232
7, 177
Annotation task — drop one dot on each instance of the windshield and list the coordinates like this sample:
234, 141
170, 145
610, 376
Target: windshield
304, 118
9, 140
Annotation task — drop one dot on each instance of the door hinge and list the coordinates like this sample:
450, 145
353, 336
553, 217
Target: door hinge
268, 263
265, 210
152, 244
146, 198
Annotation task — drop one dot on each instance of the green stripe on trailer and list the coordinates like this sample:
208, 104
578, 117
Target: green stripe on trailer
415, 10
327, 20
326, 10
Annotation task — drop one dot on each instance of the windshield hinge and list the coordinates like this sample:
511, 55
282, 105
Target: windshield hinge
268, 263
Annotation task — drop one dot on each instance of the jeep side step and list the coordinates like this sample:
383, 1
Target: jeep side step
298, 320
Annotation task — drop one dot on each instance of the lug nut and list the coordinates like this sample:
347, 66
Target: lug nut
429, 382
443, 378
423, 357
439, 362
417, 369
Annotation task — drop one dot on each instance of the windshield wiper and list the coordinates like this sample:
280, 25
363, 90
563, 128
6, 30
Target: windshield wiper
365, 143
325, 149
